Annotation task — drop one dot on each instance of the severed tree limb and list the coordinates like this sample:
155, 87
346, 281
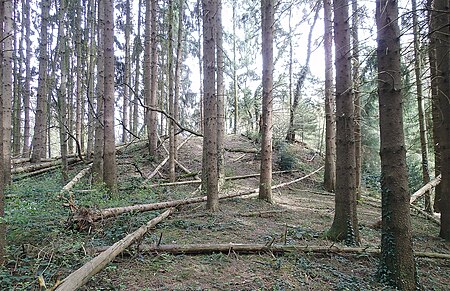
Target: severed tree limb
433, 183
262, 213
195, 249
84, 273
86, 217
242, 150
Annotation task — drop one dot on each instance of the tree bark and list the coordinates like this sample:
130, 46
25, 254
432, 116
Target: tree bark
330, 126
7, 87
153, 126
209, 164
220, 96
127, 73
441, 7
97, 165
356, 97
397, 267
2, 164
267, 21
171, 92
27, 86
109, 149
345, 223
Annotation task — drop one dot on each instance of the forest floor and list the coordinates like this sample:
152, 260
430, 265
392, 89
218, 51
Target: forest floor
41, 243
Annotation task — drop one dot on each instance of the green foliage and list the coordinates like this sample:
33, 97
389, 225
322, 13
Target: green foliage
287, 159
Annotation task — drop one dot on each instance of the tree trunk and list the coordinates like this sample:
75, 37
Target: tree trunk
90, 37
267, 20
126, 88
330, 127
235, 85
17, 74
62, 92
97, 165
436, 111
170, 123
137, 61
41, 108
2, 164
79, 83
356, 97
290, 136
153, 118
109, 149
420, 105
209, 164
7, 87
200, 65
27, 87
397, 267
441, 8
220, 96
345, 223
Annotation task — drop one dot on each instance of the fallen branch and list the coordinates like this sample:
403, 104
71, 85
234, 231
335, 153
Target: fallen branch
40, 166
34, 173
86, 217
427, 187
84, 273
195, 249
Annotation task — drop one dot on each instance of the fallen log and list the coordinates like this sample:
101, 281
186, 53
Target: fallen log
198, 181
427, 187
34, 173
84, 273
197, 249
75, 179
85, 217
40, 166
426, 214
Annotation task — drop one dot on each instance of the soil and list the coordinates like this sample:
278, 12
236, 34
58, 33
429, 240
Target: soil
300, 215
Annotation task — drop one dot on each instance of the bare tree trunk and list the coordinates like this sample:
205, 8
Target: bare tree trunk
178, 67
79, 85
97, 165
137, 61
126, 89
235, 86
148, 72
420, 105
62, 92
90, 38
41, 108
267, 20
345, 222
290, 136
330, 127
7, 87
209, 164
220, 96
17, 74
109, 149
357, 97
436, 113
200, 65
171, 125
153, 127
397, 267
27, 87
441, 8
2, 164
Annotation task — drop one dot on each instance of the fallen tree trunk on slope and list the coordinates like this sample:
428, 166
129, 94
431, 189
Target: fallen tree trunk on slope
427, 187
84, 273
197, 249
40, 166
85, 217
75, 179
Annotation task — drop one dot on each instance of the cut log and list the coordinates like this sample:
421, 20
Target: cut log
433, 183
84, 273
262, 213
195, 249
34, 173
85, 217
75, 179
